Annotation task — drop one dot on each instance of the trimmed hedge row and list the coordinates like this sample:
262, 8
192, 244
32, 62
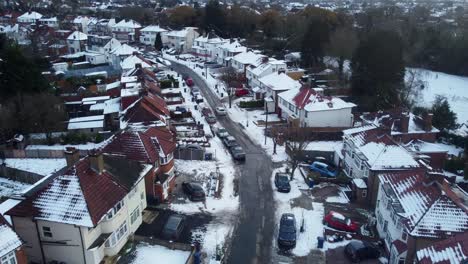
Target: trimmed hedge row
251, 104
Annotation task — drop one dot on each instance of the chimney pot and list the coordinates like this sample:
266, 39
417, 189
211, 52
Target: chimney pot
404, 122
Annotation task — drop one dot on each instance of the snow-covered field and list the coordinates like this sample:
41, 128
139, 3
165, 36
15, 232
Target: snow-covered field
147, 254
40, 166
454, 87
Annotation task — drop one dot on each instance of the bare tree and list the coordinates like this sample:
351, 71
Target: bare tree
414, 84
231, 78
297, 141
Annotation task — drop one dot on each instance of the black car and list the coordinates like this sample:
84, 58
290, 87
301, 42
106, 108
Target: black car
194, 191
173, 227
237, 153
360, 250
282, 182
287, 231
230, 142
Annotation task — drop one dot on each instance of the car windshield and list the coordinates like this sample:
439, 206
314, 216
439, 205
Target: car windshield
196, 187
283, 178
173, 222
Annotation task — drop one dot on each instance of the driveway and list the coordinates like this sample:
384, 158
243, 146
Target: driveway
252, 239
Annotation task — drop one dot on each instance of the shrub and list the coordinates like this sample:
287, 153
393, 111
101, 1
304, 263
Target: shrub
251, 104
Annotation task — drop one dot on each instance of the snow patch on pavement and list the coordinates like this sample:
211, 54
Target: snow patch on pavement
148, 254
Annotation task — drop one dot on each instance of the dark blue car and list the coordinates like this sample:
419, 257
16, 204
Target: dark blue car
287, 232
324, 169
282, 182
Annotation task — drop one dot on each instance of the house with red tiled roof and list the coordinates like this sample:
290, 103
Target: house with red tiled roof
11, 246
149, 109
415, 211
83, 213
451, 251
308, 107
369, 151
155, 147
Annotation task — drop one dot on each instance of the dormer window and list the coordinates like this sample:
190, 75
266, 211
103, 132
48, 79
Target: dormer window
112, 212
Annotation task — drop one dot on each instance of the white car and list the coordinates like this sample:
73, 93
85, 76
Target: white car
221, 111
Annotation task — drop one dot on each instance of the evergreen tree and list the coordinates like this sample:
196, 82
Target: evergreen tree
443, 118
378, 71
158, 45
215, 18
313, 43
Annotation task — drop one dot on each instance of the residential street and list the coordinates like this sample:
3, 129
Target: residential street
252, 239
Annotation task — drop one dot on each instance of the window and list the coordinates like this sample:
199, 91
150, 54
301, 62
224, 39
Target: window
142, 195
117, 235
46, 231
385, 227
115, 210
364, 193
404, 236
134, 215
9, 258
401, 261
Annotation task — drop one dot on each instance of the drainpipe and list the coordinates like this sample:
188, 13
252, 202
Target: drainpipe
40, 242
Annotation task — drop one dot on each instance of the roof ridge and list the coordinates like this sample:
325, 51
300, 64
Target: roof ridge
425, 213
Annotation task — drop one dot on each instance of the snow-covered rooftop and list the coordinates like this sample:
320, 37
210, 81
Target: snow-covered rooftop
127, 23
450, 251
77, 35
86, 122
309, 100
124, 50
43, 167
30, 15
153, 28
130, 62
381, 156
10, 240
279, 81
249, 57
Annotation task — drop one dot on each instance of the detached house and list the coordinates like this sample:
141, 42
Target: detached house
256, 72
450, 250
414, 211
155, 147
149, 33
30, 17
241, 61
308, 107
83, 213
369, 152
273, 84
127, 30
181, 40
228, 50
11, 246
77, 42
206, 46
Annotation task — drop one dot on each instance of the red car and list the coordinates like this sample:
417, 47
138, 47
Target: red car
189, 82
241, 92
340, 222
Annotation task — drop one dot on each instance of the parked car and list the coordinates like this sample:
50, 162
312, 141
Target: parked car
241, 92
189, 82
282, 182
237, 153
357, 251
173, 227
221, 111
194, 91
194, 191
181, 109
287, 231
221, 132
210, 118
230, 142
198, 98
339, 221
205, 110
324, 169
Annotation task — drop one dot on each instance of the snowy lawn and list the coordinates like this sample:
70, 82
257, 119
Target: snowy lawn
39, 166
9, 187
454, 87
147, 254
312, 214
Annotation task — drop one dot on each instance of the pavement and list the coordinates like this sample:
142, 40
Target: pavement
252, 239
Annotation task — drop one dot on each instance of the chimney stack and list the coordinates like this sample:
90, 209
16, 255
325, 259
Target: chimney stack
72, 155
427, 122
404, 122
96, 161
